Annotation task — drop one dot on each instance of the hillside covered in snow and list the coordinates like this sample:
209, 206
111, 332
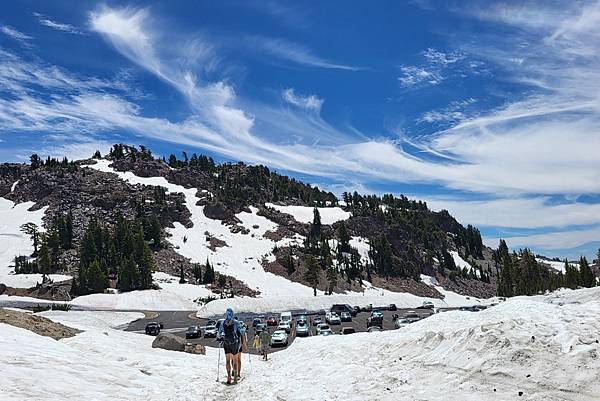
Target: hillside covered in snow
223, 229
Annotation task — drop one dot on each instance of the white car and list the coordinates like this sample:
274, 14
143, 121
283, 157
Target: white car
333, 318
286, 326
321, 327
399, 323
279, 337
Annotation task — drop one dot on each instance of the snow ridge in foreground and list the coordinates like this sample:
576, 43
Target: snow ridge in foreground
544, 347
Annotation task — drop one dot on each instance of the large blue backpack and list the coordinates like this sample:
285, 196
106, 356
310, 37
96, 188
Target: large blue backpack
230, 335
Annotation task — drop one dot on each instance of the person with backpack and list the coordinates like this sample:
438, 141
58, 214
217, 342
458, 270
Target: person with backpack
231, 333
243, 347
264, 343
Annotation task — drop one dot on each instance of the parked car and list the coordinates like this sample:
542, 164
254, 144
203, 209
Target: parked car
332, 318
412, 316
260, 328
256, 321
373, 329
211, 329
347, 330
399, 323
152, 329
427, 305
367, 308
302, 318
376, 319
322, 326
286, 326
286, 317
356, 310
345, 317
271, 321
392, 307
325, 332
478, 308
193, 332
302, 329
279, 337
317, 321
339, 308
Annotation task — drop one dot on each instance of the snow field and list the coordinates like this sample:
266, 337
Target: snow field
543, 346
304, 214
15, 243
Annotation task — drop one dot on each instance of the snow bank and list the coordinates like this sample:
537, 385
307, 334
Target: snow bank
172, 296
29, 280
544, 347
304, 214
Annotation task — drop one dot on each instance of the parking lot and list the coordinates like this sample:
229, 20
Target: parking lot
178, 322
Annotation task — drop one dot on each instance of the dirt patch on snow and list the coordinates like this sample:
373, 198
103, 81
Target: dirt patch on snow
37, 324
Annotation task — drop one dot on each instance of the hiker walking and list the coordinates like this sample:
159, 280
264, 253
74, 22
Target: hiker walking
230, 332
264, 343
243, 347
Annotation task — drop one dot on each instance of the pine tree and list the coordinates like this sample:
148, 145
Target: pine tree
571, 276
312, 273
128, 275
197, 272
181, 274
344, 239
31, 229
209, 273
331, 278
96, 280
44, 260
586, 276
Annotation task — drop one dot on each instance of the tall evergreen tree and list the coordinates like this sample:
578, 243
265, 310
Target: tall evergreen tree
587, 277
311, 275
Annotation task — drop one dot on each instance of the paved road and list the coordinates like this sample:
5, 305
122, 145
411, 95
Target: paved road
177, 322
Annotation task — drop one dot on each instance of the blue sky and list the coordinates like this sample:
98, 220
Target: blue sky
488, 109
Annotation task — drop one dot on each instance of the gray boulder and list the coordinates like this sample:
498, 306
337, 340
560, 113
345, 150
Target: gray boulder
169, 342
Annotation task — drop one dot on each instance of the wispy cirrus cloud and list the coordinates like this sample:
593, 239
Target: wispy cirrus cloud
59, 26
294, 53
15, 34
310, 102
432, 71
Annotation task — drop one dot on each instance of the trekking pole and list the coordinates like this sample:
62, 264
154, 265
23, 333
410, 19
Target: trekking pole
219, 360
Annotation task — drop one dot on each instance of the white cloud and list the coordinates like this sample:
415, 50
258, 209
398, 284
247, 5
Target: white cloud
553, 240
537, 212
310, 102
294, 52
412, 76
59, 26
15, 34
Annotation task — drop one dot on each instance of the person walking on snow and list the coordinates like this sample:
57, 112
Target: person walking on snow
264, 343
231, 334
243, 347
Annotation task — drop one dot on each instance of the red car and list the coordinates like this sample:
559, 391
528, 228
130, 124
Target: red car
271, 321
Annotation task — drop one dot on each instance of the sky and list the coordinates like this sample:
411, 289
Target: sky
489, 109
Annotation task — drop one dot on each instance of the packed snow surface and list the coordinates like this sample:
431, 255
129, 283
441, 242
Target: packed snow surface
527, 348
305, 214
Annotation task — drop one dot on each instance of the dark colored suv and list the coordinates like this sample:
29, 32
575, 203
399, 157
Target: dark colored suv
153, 329
339, 308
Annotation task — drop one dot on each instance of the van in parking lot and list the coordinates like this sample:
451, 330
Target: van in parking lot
286, 317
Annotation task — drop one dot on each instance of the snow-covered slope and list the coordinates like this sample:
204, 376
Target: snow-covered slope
527, 348
15, 243
558, 266
304, 214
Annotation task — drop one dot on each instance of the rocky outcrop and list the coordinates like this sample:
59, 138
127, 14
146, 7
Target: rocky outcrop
37, 324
